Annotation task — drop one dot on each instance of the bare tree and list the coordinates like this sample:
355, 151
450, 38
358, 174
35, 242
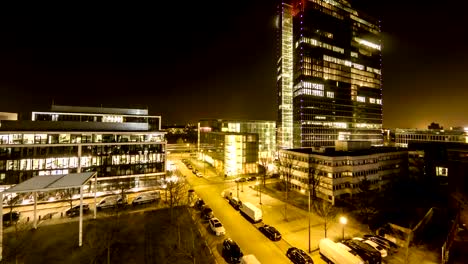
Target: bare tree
286, 168
123, 186
68, 196
327, 212
365, 201
176, 191
263, 163
314, 181
16, 242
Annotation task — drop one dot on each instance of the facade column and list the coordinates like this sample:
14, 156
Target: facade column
79, 159
1, 228
80, 239
95, 193
35, 211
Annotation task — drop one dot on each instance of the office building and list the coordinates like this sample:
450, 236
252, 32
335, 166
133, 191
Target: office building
403, 137
266, 131
117, 143
329, 79
340, 170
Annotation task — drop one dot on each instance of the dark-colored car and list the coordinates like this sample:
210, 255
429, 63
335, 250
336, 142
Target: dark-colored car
252, 178
75, 210
206, 213
11, 217
271, 232
275, 175
365, 251
199, 204
235, 202
298, 256
241, 180
231, 251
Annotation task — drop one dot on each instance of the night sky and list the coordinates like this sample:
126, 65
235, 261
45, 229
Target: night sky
187, 60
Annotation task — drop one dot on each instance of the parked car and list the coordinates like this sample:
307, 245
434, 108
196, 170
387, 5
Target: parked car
216, 226
199, 174
231, 251
271, 232
252, 178
383, 251
10, 217
382, 241
147, 197
199, 204
111, 201
206, 213
298, 256
275, 175
75, 210
241, 180
365, 251
235, 202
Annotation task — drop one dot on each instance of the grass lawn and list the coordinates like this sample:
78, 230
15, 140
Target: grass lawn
144, 237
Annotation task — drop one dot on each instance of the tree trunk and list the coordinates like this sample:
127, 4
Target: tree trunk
108, 255
325, 229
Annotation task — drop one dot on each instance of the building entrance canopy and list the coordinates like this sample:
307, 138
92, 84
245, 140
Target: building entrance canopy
49, 183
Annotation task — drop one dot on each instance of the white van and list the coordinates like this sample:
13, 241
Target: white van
337, 253
111, 201
147, 197
249, 259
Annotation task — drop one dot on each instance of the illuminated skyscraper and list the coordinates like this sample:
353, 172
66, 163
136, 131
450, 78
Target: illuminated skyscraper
329, 80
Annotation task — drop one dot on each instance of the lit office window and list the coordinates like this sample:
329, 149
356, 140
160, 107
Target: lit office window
361, 99
330, 94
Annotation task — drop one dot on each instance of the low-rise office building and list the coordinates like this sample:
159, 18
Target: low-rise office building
340, 170
403, 137
266, 131
117, 143
230, 153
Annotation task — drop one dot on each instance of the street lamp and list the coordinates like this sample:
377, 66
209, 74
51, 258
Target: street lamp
259, 191
308, 199
343, 221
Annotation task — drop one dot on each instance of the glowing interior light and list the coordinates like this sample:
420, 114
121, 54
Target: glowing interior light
368, 43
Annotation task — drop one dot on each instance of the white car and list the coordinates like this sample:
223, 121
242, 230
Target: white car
383, 251
216, 226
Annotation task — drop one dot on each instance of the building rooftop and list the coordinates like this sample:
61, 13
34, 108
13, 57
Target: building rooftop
331, 152
98, 110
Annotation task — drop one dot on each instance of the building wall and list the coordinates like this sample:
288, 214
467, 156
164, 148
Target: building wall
27, 154
403, 137
284, 80
340, 176
266, 131
230, 153
336, 91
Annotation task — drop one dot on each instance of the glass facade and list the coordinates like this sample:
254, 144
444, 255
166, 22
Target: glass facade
284, 81
26, 154
69, 139
230, 153
336, 77
266, 131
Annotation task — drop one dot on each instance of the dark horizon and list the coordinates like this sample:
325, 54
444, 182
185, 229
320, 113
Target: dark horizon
218, 61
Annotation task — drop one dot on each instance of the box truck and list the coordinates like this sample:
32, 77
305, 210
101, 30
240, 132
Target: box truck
252, 212
338, 253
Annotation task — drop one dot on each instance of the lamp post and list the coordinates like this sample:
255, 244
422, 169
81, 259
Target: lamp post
308, 194
343, 221
259, 191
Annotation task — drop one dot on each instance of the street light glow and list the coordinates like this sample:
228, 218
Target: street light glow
343, 220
